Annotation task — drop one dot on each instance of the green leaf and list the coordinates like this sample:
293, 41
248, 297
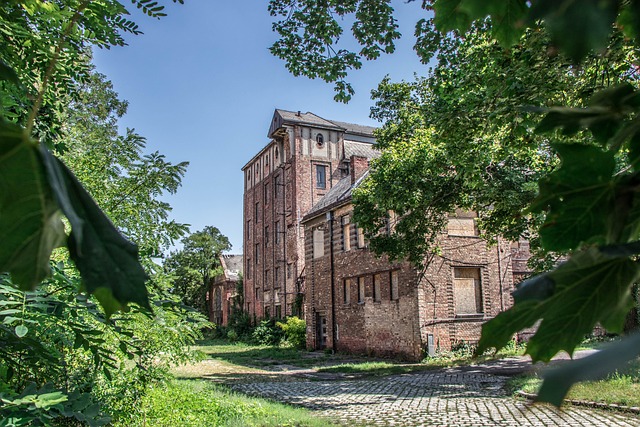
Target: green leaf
577, 27
594, 286
507, 17
7, 73
578, 197
450, 16
108, 262
557, 382
30, 223
21, 331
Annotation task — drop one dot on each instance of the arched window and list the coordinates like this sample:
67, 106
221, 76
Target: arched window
319, 140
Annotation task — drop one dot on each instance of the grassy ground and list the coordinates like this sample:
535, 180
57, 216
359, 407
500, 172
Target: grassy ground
622, 388
197, 403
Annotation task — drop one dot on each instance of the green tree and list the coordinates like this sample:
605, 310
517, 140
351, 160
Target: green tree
587, 203
125, 182
43, 55
196, 265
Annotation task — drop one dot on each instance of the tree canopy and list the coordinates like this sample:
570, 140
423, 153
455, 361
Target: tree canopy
583, 154
196, 265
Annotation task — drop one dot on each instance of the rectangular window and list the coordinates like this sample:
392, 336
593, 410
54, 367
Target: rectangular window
318, 242
267, 311
276, 279
276, 237
321, 176
267, 283
360, 233
276, 187
467, 290
377, 278
248, 229
288, 270
257, 213
256, 293
266, 235
346, 233
394, 284
346, 291
257, 253
278, 312
360, 290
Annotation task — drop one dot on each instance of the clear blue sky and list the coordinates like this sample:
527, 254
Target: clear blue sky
202, 87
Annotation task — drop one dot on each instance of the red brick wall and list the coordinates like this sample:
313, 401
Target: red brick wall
426, 304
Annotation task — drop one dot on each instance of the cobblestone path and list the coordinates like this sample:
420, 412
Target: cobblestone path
451, 398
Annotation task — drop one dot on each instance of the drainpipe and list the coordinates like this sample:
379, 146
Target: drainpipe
500, 276
333, 292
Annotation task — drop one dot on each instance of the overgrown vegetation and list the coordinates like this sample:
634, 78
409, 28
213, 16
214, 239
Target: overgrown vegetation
67, 357
196, 403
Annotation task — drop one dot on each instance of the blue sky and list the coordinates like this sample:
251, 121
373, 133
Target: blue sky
202, 87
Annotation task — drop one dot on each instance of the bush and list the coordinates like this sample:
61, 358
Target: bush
295, 331
232, 335
267, 333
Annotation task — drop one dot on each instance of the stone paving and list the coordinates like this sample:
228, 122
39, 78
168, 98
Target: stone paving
459, 397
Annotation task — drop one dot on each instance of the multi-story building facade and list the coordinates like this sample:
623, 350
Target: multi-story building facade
304, 255
361, 303
304, 159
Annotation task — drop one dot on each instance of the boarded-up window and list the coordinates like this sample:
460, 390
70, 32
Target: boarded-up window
377, 279
346, 291
394, 284
467, 290
318, 243
360, 233
360, 290
346, 233
462, 227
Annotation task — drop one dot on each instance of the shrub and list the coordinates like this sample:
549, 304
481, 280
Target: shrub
295, 331
232, 335
267, 333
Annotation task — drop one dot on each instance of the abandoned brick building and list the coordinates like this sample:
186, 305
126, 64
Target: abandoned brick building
222, 290
300, 240
303, 161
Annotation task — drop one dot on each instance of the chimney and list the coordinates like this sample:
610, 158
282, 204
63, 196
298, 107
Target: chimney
357, 167
298, 113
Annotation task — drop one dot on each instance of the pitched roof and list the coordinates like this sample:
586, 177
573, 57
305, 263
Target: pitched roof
285, 116
355, 128
360, 149
338, 195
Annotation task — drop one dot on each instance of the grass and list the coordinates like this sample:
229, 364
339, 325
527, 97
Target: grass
196, 403
621, 388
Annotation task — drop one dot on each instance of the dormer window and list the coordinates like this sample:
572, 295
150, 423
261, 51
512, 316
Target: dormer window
320, 140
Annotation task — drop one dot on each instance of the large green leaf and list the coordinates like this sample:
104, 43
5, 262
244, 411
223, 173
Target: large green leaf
507, 17
578, 197
577, 27
107, 261
594, 286
557, 382
450, 16
30, 222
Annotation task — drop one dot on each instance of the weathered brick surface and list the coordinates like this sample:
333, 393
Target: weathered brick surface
281, 179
